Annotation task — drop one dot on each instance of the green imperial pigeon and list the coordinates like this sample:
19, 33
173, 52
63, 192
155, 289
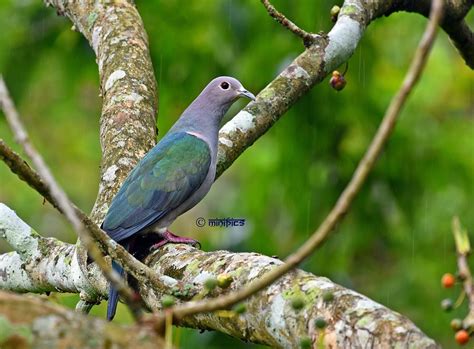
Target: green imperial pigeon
173, 177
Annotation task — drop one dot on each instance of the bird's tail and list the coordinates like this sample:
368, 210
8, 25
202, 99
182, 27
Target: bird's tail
113, 294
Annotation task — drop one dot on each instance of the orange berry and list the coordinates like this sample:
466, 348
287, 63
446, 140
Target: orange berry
448, 280
462, 337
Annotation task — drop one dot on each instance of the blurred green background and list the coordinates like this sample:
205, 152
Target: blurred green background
395, 243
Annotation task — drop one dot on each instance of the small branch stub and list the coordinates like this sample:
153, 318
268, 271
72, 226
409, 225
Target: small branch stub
308, 38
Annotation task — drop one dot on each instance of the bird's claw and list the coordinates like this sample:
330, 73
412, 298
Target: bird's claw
169, 237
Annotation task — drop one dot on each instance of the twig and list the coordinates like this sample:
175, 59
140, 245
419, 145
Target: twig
308, 38
169, 330
349, 193
62, 200
463, 249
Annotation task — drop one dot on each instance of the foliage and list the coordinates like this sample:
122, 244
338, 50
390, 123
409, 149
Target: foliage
393, 246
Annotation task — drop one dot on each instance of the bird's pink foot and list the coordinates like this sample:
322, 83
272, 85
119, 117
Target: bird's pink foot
169, 237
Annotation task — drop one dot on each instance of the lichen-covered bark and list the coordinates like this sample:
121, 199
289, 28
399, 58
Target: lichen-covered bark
115, 31
42, 265
36, 323
353, 319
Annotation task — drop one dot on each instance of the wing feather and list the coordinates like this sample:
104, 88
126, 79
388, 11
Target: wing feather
166, 177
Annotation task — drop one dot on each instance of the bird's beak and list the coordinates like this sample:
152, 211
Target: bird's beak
245, 93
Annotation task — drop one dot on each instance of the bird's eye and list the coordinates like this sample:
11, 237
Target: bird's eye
224, 85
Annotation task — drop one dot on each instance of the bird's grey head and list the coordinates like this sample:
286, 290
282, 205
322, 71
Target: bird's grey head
225, 90
205, 113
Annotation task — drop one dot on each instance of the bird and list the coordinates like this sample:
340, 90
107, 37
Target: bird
172, 177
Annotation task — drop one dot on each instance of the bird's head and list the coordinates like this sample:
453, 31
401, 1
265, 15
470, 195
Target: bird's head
226, 90
208, 109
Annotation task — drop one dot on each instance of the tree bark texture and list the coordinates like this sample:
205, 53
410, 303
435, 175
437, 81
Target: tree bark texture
127, 131
43, 265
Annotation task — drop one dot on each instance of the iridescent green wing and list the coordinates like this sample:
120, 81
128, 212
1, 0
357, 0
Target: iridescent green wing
168, 175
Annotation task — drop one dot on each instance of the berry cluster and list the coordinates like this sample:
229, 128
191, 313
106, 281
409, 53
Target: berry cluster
462, 328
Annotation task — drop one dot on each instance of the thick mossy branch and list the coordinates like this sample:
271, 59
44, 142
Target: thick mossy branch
115, 31
32, 322
271, 317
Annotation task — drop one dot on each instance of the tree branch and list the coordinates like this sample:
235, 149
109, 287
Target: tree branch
352, 319
463, 39
307, 70
453, 22
308, 38
315, 63
127, 124
62, 200
42, 264
35, 323
115, 31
